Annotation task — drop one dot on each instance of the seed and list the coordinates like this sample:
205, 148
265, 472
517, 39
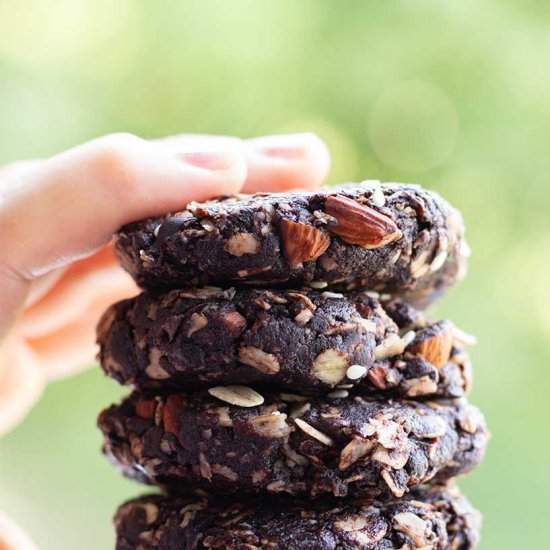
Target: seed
377, 198
318, 284
408, 337
356, 371
332, 295
368, 326
462, 337
338, 394
438, 261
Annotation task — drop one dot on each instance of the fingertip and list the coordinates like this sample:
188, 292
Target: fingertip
213, 173
150, 178
283, 162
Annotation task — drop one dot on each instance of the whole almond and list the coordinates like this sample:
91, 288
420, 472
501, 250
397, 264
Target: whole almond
302, 243
436, 349
359, 224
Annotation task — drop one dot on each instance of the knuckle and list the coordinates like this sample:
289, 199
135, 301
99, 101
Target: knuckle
113, 154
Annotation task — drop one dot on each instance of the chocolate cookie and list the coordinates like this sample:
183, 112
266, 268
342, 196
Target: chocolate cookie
393, 238
438, 518
306, 341
233, 439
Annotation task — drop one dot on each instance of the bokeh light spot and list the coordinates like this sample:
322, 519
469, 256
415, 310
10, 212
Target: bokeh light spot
55, 31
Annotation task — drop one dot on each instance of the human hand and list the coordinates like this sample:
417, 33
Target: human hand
57, 272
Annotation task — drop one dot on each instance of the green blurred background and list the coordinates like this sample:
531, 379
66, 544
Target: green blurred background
452, 94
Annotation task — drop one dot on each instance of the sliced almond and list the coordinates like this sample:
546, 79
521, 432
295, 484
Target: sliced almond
392, 345
415, 387
151, 512
270, 425
197, 322
224, 471
241, 244
302, 243
394, 458
234, 321
330, 366
204, 467
259, 359
241, 396
412, 526
357, 448
396, 490
314, 432
304, 316
359, 224
154, 370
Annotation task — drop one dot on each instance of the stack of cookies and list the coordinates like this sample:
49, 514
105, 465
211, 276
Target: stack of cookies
289, 391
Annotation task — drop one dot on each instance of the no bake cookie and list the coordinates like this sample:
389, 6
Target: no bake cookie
438, 518
392, 238
234, 439
306, 341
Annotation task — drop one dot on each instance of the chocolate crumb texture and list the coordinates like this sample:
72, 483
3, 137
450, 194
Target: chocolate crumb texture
235, 439
438, 518
303, 341
396, 239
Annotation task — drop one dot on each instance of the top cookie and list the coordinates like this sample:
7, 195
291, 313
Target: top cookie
397, 239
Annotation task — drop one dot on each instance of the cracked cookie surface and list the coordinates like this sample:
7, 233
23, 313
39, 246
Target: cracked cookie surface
439, 518
234, 439
392, 238
305, 341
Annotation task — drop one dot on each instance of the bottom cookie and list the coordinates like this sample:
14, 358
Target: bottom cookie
436, 518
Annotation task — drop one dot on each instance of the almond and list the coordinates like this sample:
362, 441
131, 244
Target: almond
360, 224
302, 243
259, 359
242, 243
314, 432
413, 527
330, 366
145, 408
235, 322
356, 449
270, 425
171, 414
436, 347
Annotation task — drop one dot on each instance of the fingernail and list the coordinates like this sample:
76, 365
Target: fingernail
209, 160
283, 152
